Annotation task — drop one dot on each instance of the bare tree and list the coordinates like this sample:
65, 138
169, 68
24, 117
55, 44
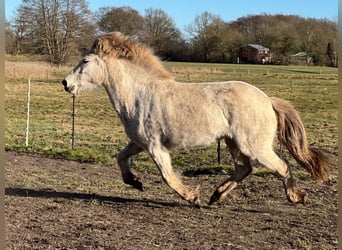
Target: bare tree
21, 28
9, 39
54, 27
207, 32
308, 37
124, 19
160, 31
233, 39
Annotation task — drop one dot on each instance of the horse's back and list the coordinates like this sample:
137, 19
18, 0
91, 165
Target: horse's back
242, 99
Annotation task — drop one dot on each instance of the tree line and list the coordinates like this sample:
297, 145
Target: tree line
60, 29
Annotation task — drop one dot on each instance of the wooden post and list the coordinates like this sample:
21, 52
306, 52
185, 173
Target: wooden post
219, 151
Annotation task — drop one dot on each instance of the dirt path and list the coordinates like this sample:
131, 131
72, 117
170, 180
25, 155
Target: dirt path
58, 204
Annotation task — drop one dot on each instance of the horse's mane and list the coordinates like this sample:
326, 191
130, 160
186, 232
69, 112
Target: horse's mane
116, 45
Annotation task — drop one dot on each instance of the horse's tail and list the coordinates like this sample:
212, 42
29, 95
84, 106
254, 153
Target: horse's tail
291, 133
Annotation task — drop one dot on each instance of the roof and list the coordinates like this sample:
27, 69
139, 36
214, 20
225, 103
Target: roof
300, 54
258, 46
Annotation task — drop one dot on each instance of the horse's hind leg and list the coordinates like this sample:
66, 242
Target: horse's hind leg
241, 172
272, 161
123, 161
162, 159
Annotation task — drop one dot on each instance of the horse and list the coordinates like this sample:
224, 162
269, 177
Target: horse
160, 114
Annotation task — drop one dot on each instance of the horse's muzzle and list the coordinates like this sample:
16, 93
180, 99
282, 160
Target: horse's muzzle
66, 88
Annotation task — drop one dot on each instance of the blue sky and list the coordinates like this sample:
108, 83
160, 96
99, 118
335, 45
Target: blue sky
184, 11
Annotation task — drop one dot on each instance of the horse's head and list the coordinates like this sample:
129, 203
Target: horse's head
88, 75
107, 49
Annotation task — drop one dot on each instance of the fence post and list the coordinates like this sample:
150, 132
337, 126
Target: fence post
28, 112
218, 151
73, 123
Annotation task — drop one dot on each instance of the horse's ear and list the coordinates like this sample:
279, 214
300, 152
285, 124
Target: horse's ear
96, 48
83, 51
100, 46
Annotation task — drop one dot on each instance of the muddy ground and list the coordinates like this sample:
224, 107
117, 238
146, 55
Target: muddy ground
58, 204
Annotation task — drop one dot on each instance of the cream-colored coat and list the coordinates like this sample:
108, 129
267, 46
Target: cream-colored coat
159, 114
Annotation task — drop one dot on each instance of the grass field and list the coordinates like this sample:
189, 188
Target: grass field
99, 134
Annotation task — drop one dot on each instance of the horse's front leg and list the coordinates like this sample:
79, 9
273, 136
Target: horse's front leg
126, 171
162, 159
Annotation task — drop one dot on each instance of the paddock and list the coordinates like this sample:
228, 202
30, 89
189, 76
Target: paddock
84, 205
65, 204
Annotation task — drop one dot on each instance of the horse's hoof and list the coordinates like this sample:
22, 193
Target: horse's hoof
193, 197
297, 196
215, 198
197, 202
138, 185
134, 181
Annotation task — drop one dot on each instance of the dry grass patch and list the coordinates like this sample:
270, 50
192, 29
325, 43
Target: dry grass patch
31, 69
193, 70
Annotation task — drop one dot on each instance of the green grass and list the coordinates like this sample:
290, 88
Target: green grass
100, 135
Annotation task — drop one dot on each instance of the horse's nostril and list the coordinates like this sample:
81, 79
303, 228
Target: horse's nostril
64, 82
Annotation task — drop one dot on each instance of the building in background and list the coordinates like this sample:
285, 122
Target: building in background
254, 53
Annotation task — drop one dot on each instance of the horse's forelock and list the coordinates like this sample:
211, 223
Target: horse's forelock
113, 44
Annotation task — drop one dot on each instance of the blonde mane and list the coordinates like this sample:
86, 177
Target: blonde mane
116, 45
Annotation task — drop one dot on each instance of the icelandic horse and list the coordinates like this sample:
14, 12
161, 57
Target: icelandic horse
160, 114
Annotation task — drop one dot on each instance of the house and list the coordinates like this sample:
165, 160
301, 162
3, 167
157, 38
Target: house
254, 53
300, 58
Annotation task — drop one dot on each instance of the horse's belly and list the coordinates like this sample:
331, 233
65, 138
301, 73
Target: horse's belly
189, 141
202, 134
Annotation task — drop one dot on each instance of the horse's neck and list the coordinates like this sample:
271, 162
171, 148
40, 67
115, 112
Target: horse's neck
121, 100
122, 88
116, 100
